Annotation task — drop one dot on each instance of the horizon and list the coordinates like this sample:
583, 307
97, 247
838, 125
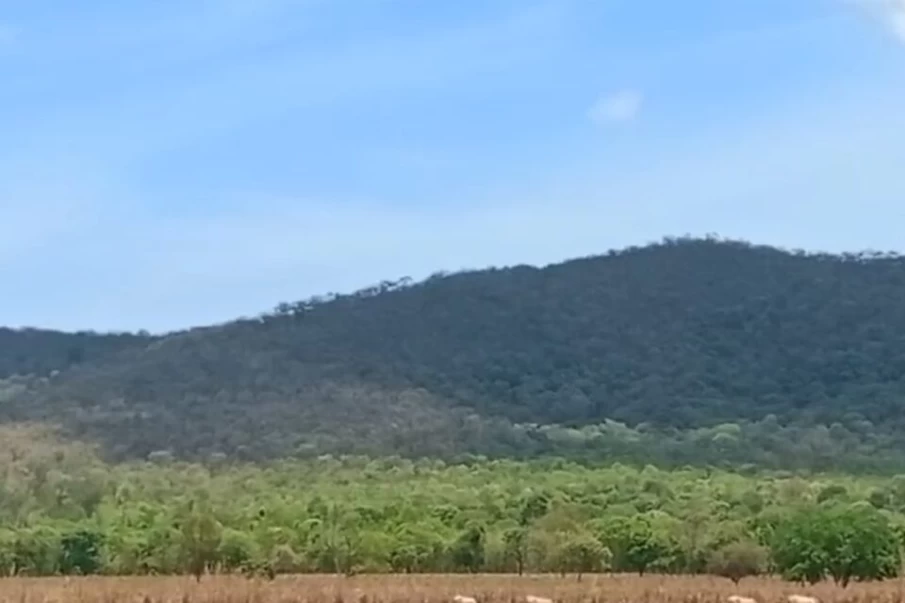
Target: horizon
187, 163
711, 237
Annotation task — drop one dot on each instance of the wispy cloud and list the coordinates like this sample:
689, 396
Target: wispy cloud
148, 119
125, 190
896, 17
617, 107
59, 185
890, 12
803, 168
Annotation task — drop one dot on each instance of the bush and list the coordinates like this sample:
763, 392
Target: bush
738, 560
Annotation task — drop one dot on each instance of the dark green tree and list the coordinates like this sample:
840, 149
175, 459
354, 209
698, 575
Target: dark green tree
532, 506
467, 551
403, 558
80, 552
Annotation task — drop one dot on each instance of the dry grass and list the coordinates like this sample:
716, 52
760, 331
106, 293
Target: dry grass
428, 589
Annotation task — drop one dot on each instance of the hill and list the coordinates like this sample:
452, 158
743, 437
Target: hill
681, 335
42, 351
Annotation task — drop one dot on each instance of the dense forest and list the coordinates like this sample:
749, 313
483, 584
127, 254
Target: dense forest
65, 511
688, 350
42, 352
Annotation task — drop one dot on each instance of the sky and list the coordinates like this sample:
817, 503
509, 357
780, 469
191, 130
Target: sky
185, 162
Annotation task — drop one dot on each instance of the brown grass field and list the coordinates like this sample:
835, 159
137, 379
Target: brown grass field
429, 589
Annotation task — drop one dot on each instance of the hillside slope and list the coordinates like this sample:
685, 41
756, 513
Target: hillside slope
41, 351
685, 333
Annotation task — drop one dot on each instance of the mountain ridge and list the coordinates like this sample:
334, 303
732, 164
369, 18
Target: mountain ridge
683, 334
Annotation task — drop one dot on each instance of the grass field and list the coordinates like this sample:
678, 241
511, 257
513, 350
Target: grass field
427, 589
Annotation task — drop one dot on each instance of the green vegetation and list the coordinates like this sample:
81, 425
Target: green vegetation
65, 511
685, 352
470, 423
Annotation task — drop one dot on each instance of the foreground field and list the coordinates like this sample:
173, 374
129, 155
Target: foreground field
429, 589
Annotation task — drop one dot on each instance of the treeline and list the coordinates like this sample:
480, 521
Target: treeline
744, 446
411, 425
64, 511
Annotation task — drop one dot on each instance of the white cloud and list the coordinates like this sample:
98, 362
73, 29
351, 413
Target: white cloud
897, 19
891, 12
621, 106
810, 176
785, 179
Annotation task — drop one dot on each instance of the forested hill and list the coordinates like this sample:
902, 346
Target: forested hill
42, 351
682, 334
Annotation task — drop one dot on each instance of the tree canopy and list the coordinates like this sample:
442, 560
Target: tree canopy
66, 511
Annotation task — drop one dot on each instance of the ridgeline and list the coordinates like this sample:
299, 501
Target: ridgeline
685, 351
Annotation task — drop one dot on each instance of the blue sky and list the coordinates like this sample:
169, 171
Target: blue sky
189, 161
